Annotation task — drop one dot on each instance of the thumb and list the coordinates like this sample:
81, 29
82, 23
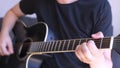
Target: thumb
97, 35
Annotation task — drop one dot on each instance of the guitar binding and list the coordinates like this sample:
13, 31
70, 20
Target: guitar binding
24, 48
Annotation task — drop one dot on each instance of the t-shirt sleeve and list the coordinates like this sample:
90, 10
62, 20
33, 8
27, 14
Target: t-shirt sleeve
27, 6
104, 20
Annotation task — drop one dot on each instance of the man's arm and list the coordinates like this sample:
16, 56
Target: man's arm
10, 18
7, 24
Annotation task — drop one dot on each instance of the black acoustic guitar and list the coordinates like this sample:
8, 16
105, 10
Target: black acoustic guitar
36, 40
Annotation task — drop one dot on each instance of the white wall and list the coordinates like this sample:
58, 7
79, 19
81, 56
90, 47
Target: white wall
115, 4
6, 5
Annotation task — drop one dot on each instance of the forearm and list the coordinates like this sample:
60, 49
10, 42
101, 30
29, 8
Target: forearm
8, 22
10, 18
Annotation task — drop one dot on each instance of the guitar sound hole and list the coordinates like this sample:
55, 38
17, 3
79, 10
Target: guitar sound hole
24, 49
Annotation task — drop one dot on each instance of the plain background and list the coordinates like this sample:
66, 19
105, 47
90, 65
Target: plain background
115, 5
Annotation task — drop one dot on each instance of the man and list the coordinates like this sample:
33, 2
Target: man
68, 19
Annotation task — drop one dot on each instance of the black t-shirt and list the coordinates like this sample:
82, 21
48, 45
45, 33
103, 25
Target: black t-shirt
79, 19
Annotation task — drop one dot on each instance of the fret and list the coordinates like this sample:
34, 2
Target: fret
77, 41
101, 42
42, 50
68, 45
111, 42
32, 47
43, 47
63, 45
73, 44
56, 46
83, 40
46, 46
106, 43
60, 44
52, 46
35, 46
97, 42
40, 47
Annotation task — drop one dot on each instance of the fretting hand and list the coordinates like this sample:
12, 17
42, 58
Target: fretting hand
88, 53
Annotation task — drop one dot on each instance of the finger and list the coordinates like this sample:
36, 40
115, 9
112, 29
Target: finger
79, 54
1, 53
97, 35
1, 49
83, 53
92, 48
5, 51
10, 48
86, 52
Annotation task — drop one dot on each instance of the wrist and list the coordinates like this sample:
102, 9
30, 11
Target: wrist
101, 65
4, 32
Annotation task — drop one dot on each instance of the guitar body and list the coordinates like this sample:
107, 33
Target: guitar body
24, 34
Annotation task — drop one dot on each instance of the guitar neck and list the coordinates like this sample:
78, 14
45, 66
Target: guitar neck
67, 45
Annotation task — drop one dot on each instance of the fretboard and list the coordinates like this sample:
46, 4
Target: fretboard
67, 45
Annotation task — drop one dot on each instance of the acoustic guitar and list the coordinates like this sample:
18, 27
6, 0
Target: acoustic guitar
36, 40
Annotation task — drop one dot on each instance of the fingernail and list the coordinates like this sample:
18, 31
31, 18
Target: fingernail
91, 42
93, 34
